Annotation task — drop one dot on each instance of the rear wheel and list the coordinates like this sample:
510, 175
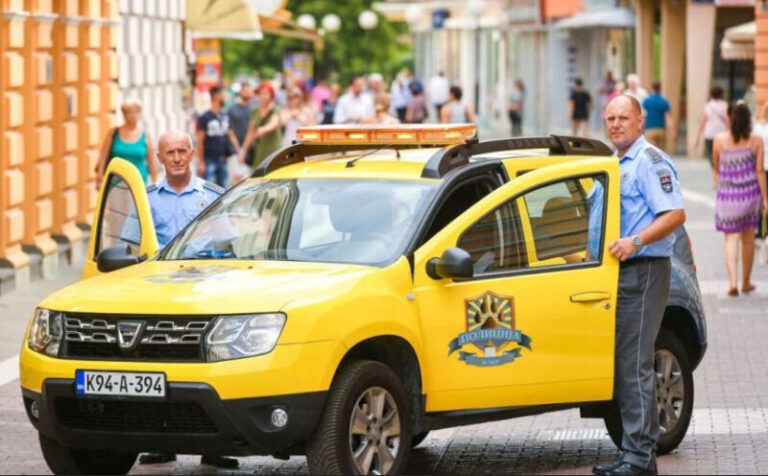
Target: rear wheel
64, 460
674, 395
366, 423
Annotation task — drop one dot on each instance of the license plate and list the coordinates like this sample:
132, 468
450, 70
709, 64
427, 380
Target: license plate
129, 384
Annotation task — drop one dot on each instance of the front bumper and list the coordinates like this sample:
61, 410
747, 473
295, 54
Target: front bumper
192, 419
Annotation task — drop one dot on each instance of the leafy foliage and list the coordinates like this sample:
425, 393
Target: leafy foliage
348, 52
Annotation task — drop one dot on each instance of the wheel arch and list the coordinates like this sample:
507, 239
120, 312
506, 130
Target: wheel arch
680, 322
398, 354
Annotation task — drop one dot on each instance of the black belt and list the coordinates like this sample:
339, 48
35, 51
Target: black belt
643, 260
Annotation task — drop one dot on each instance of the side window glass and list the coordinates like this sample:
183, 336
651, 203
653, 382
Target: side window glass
495, 242
119, 222
459, 201
566, 220
560, 223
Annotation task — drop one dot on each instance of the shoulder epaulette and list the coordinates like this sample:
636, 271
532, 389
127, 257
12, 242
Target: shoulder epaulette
151, 187
213, 187
654, 155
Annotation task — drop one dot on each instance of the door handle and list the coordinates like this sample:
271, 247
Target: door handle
590, 296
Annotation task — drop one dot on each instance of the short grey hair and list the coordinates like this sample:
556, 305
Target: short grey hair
173, 135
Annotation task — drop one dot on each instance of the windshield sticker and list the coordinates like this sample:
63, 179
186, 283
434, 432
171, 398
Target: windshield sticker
490, 331
191, 274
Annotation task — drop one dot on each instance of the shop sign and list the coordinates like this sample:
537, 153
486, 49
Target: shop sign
298, 65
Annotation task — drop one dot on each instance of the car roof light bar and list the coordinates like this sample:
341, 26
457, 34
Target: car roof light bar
379, 134
448, 159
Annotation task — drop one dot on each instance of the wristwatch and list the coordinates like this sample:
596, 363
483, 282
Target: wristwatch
637, 242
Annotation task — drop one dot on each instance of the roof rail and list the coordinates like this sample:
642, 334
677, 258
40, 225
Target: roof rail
448, 159
299, 152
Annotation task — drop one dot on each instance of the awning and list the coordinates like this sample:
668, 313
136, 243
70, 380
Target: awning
280, 25
739, 42
608, 18
737, 50
235, 19
743, 32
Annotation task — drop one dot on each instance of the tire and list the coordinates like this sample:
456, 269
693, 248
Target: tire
63, 460
668, 349
330, 449
416, 440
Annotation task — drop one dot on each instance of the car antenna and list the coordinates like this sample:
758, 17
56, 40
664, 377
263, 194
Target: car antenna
351, 163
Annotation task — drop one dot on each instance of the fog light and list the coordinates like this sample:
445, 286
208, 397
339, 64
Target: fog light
279, 417
34, 410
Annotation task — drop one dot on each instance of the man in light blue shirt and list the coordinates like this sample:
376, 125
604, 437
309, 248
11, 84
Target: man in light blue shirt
651, 210
179, 197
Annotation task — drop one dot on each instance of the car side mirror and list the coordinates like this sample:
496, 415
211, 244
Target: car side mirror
117, 257
455, 263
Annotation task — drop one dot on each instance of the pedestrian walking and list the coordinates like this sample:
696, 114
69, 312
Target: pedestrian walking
297, 114
455, 111
354, 106
738, 157
265, 127
240, 112
401, 94
634, 89
129, 142
714, 121
213, 133
761, 235
618, 90
651, 210
515, 107
658, 119
417, 111
382, 116
438, 89
580, 106
329, 105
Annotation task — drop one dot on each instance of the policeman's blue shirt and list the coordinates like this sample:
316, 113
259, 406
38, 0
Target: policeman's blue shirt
595, 199
649, 187
172, 210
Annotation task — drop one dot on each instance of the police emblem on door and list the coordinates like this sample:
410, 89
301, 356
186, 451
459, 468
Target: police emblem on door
491, 338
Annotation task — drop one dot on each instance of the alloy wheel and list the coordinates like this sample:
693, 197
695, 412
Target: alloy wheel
374, 432
670, 390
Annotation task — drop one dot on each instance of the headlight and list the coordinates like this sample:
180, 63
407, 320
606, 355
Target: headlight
46, 332
234, 337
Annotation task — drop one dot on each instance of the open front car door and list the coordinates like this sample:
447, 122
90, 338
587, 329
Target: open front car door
122, 232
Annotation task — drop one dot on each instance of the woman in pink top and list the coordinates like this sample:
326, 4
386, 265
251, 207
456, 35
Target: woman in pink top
714, 121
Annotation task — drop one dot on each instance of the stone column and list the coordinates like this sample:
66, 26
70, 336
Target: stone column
700, 42
644, 10
672, 55
761, 54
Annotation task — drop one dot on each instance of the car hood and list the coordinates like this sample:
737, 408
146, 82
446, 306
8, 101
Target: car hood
206, 287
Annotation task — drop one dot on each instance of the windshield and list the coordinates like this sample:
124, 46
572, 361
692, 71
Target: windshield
324, 220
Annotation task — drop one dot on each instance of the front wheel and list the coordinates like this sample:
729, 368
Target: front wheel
674, 395
64, 460
366, 423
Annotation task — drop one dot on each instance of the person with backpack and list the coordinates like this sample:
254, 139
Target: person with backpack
129, 142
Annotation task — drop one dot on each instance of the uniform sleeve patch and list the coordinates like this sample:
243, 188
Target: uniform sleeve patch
214, 187
666, 182
654, 155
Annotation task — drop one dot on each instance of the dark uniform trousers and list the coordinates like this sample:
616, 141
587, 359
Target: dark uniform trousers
642, 297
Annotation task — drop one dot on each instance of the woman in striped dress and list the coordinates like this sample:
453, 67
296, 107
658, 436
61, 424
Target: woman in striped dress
741, 193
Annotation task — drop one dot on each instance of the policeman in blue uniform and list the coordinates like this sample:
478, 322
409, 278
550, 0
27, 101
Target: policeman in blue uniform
174, 202
651, 210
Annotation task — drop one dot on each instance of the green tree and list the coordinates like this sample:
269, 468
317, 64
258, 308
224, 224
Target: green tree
348, 52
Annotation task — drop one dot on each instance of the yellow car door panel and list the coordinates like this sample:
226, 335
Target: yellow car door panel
535, 323
122, 216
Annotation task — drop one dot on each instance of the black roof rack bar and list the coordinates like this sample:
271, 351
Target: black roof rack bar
298, 153
446, 160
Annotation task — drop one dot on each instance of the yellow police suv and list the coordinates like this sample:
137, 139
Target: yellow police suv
365, 286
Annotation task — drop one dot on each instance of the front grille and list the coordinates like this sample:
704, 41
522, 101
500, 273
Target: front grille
158, 338
133, 416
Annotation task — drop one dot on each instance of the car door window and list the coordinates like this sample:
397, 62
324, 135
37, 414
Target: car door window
457, 202
119, 222
560, 223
